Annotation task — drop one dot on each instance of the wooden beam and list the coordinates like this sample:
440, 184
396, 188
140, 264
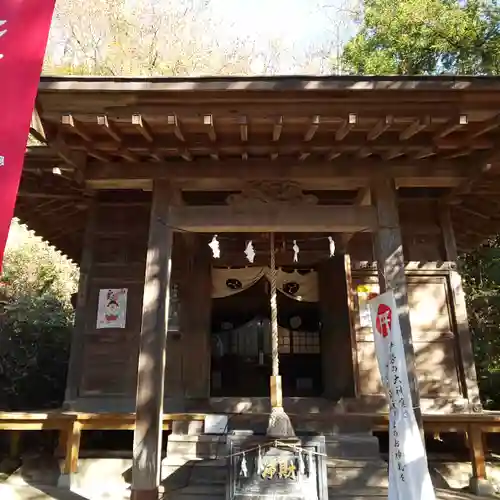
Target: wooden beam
319, 142
109, 128
363, 199
415, 128
69, 122
274, 218
346, 127
381, 126
229, 173
388, 245
460, 319
312, 129
146, 464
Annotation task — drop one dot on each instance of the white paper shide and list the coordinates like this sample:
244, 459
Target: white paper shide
409, 477
112, 308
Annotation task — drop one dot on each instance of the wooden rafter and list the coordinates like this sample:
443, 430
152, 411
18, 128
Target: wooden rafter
381, 126
486, 127
128, 155
459, 153
70, 123
451, 126
414, 128
277, 129
142, 127
465, 186
208, 122
243, 128
109, 128
174, 125
424, 153
346, 127
334, 153
364, 153
312, 129
394, 153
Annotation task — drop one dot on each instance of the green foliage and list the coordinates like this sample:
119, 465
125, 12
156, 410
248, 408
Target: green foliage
419, 37
481, 270
36, 324
423, 37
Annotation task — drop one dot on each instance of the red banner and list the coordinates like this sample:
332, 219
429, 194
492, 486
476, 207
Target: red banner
24, 29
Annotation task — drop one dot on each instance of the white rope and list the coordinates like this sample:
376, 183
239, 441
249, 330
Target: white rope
274, 444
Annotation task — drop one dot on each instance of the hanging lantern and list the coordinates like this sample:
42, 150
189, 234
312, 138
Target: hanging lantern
250, 252
214, 245
332, 246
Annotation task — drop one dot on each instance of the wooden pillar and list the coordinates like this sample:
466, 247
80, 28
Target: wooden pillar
476, 450
468, 368
388, 245
196, 336
146, 464
73, 379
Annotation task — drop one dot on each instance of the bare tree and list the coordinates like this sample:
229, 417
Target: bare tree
113, 37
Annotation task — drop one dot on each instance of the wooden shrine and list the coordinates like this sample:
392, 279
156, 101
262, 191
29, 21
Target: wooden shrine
132, 178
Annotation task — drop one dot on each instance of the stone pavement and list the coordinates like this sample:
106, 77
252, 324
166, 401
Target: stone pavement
9, 492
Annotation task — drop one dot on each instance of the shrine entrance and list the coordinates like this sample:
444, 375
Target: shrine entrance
241, 332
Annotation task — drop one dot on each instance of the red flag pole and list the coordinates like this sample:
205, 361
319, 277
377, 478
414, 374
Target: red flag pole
24, 30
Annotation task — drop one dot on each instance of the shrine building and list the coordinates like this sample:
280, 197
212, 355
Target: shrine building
162, 189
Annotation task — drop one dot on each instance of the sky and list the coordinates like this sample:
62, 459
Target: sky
299, 25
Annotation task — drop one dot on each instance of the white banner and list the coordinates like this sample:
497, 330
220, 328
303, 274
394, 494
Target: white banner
409, 477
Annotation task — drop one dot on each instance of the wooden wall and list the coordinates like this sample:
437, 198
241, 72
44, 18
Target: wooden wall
431, 308
434, 339
104, 362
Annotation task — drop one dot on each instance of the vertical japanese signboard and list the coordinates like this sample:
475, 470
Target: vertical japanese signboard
409, 477
24, 29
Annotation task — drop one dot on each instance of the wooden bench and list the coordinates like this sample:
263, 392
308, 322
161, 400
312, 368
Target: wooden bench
71, 425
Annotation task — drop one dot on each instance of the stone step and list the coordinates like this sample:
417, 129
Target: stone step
352, 446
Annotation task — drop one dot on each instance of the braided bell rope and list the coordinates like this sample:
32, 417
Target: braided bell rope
274, 310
